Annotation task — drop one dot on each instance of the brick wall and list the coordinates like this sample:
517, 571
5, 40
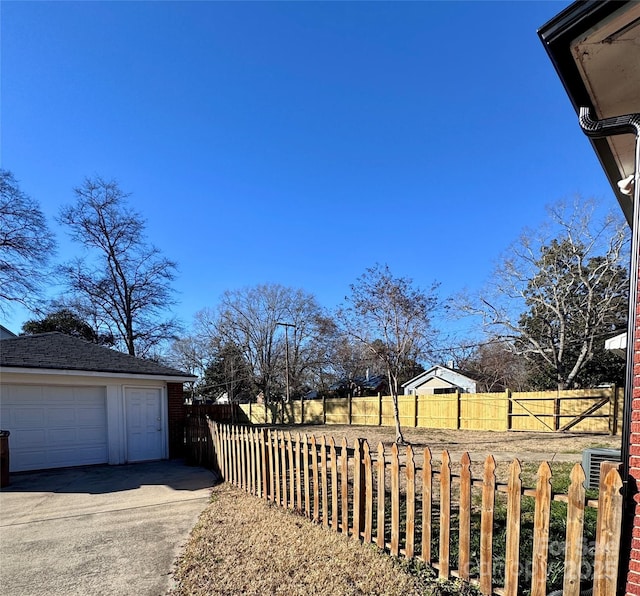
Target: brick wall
176, 416
633, 574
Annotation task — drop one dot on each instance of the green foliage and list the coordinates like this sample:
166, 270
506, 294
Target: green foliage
228, 372
434, 586
455, 587
574, 302
559, 292
68, 322
557, 534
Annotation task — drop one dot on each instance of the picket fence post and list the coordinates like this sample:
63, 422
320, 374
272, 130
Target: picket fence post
268, 465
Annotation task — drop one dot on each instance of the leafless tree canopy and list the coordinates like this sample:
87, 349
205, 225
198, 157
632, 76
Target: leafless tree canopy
392, 319
350, 358
249, 319
560, 291
188, 354
26, 244
123, 282
495, 366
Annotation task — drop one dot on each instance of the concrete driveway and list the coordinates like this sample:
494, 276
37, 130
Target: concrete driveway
99, 529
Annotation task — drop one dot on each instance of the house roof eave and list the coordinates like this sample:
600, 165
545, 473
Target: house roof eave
66, 372
557, 36
430, 373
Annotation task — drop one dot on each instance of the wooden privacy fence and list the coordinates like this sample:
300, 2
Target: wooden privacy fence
583, 410
502, 536
216, 412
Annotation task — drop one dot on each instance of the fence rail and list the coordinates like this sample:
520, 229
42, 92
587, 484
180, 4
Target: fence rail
437, 511
586, 410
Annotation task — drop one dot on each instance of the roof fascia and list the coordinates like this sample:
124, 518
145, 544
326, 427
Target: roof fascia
94, 374
557, 36
418, 377
431, 372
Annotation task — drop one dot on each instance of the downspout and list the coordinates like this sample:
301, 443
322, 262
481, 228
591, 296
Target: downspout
629, 124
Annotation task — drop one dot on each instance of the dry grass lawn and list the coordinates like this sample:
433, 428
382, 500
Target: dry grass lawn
244, 545
527, 446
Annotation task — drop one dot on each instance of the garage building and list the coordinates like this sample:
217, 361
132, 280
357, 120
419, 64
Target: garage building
68, 402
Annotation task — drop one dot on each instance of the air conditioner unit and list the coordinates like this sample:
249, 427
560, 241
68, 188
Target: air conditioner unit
591, 460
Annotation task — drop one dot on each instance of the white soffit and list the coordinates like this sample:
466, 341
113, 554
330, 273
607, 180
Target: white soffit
608, 58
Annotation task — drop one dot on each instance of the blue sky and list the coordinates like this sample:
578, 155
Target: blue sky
297, 143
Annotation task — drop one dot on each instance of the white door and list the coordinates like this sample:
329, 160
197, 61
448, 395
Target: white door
54, 427
145, 436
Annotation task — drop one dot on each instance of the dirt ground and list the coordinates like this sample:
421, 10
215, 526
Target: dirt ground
504, 446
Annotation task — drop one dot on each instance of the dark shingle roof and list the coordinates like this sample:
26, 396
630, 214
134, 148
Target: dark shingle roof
62, 352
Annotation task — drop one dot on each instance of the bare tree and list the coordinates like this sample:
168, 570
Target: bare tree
126, 286
496, 367
560, 291
392, 319
26, 244
309, 335
190, 355
350, 358
248, 318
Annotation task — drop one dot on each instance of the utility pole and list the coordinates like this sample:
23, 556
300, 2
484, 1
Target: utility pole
286, 353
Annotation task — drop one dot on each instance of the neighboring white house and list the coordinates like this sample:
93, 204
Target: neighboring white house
223, 398
68, 402
439, 379
617, 345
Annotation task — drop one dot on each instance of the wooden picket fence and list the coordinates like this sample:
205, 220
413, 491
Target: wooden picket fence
439, 512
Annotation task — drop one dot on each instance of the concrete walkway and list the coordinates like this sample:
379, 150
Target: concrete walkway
99, 529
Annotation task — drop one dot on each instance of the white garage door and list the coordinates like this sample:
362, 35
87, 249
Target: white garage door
53, 427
